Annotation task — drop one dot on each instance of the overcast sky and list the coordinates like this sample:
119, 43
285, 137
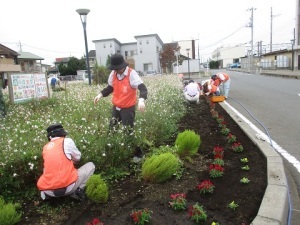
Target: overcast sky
52, 28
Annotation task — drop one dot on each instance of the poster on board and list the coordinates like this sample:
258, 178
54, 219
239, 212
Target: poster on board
24, 87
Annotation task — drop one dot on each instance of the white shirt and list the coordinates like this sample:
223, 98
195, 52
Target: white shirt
192, 89
70, 149
134, 80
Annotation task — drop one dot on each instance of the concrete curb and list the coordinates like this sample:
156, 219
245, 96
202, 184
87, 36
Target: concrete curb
274, 209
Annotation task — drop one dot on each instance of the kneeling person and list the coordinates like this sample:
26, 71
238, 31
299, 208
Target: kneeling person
192, 92
60, 177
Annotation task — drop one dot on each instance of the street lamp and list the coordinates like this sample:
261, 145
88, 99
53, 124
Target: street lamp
83, 16
293, 42
188, 60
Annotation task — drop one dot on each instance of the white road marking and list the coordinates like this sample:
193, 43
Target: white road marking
278, 148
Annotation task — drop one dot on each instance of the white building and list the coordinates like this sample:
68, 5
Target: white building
141, 55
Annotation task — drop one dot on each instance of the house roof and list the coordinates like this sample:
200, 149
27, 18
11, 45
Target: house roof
28, 55
7, 51
109, 39
92, 53
150, 35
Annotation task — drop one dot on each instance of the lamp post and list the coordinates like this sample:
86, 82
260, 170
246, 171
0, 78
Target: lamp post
83, 16
293, 42
188, 61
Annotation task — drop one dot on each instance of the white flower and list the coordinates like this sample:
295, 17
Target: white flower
14, 175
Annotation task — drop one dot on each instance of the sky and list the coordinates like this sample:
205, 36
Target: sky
53, 29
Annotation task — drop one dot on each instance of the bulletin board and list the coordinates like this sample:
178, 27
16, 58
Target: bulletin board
25, 87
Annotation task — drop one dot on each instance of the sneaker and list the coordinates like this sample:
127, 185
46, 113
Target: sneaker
44, 196
78, 194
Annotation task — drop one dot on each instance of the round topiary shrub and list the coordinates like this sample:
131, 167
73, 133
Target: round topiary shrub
187, 143
96, 189
161, 167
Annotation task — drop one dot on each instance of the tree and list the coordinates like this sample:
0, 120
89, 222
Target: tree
168, 57
101, 74
73, 65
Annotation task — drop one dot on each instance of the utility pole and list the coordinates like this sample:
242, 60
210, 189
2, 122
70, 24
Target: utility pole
251, 25
272, 16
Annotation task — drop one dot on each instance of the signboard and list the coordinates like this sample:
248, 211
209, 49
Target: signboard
24, 87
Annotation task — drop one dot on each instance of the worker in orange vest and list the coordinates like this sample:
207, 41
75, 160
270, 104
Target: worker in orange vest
223, 81
60, 177
209, 88
123, 83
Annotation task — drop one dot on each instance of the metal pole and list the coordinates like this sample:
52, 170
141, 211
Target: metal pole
177, 62
87, 54
83, 15
189, 64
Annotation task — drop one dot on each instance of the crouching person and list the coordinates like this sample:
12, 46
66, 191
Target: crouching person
60, 177
192, 92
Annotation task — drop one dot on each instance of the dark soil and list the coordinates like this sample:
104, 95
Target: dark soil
131, 193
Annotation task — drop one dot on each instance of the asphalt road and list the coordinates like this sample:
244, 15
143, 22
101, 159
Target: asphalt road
272, 104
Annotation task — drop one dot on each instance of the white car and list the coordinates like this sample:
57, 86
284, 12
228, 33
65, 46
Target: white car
151, 72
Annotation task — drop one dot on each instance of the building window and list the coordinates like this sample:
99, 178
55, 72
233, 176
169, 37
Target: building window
147, 41
140, 42
104, 46
110, 45
141, 50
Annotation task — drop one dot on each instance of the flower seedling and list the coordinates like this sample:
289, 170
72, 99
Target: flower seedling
225, 131
220, 119
218, 152
178, 201
245, 167
237, 147
233, 205
214, 223
231, 138
245, 180
95, 221
197, 213
215, 171
244, 160
218, 161
140, 217
206, 186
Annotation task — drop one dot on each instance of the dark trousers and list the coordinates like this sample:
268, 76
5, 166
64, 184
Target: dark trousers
126, 116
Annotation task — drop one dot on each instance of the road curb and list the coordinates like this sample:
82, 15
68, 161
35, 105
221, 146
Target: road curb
274, 208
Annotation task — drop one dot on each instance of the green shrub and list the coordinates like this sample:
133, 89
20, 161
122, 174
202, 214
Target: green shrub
187, 143
96, 189
8, 213
159, 168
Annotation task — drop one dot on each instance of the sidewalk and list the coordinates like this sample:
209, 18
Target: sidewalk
281, 73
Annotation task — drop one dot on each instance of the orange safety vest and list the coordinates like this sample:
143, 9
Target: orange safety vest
59, 171
124, 95
225, 75
213, 88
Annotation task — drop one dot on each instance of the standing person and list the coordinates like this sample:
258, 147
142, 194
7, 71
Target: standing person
192, 92
224, 82
60, 177
123, 83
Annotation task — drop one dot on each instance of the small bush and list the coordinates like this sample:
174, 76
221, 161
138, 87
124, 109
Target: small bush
159, 168
188, 143
96, 189
8, 213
